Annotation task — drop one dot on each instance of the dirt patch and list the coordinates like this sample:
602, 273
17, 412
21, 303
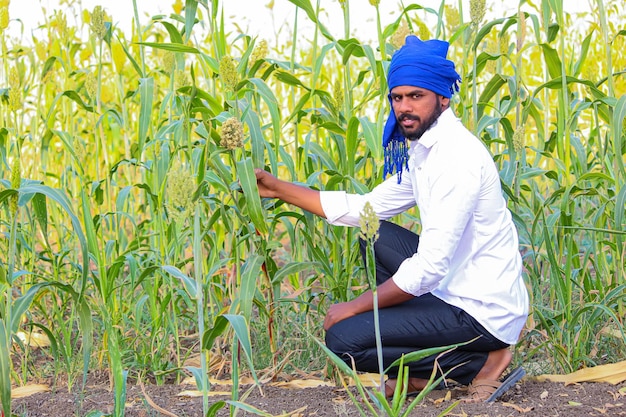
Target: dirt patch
528, 398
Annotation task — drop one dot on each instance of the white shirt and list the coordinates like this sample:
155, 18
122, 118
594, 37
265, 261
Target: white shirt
468, 253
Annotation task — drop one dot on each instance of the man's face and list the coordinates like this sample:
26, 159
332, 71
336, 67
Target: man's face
416, 109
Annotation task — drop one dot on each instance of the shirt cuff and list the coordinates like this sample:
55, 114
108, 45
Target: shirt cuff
334, 204
406, 278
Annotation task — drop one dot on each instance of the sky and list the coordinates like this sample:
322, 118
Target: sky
254, 16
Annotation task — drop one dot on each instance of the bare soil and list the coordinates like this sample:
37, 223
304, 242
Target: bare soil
528, 398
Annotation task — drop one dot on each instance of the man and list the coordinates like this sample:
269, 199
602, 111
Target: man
459, 280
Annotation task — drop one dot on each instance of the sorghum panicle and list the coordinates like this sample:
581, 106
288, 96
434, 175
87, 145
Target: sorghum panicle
60, 24
177, 6
369, 223
16, 180
91, 85
4, 18
521, 33
504, 41
518, 138
119, 56
260, 52
98, 26
15, 91
422, 30
169, 62
338, 95
399, 37
228, 72
181, 186
477, 11
232, 134
181, 79
453, 18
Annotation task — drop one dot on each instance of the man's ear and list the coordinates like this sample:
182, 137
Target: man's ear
445, 102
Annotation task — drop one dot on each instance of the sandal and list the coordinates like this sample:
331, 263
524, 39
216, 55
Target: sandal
486, 390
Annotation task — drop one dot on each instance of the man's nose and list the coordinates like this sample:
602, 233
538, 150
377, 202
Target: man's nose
404, 105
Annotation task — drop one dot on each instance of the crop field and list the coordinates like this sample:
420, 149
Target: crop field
132, 235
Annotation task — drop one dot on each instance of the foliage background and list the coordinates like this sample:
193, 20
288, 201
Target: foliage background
131, 234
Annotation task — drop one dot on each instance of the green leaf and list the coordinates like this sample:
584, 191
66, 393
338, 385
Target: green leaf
212, 411
249, 408
173, 31
491, 89
75, 97
289, 79
21, 304
239, 325
423, 353
173, 47
188, 283
131, 59
271, 101
146, 90
190, 16
552, 60
48, 66
85, 323
41, 213
257, 141
372, 138
247, 179
484, 31
251, 270
198, 376
60, 198
5, 368
214, 332
308, 9
293, 268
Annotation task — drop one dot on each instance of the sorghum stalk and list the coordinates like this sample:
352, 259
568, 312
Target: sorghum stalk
369, 233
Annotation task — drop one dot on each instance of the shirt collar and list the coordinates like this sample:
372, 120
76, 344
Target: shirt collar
430, 137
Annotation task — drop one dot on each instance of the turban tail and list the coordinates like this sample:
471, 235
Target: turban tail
420, 64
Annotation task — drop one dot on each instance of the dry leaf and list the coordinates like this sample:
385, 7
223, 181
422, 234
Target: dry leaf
34, 339
612, 373
517, 407
28, 390
544, 395
153, 404
195, 393
302, 383
369, 379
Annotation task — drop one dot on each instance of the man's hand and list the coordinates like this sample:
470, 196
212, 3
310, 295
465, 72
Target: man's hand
303, 197
267, 183
388, 295
338, 312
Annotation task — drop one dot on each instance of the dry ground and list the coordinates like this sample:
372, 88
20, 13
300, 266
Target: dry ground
527, 398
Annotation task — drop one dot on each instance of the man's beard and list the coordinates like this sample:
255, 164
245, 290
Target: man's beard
424, 125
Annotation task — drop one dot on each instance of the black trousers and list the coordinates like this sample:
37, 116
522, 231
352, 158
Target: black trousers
422, 322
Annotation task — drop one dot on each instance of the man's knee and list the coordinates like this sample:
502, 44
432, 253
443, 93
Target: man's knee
335, 341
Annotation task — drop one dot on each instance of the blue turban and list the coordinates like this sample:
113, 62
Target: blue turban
420, 64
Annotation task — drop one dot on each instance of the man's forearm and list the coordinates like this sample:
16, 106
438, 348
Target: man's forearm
388, 295
303, 197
